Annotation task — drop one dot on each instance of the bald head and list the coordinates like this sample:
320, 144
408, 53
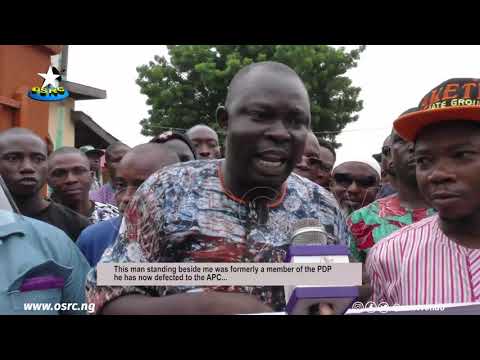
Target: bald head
115, 147
68, 150
201, 128
317, 161
205, 141
137, 165
267, 107
12, 134
149, 157
242, 76
113, 155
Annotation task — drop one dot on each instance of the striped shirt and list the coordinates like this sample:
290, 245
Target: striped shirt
419, 265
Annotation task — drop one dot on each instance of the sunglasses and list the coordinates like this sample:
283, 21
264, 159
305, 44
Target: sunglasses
317, 164
346, 180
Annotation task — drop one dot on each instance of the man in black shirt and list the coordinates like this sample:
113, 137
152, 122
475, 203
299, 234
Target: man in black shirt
64, 218
23, 166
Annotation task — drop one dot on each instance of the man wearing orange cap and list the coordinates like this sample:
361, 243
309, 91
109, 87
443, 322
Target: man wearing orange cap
437, 260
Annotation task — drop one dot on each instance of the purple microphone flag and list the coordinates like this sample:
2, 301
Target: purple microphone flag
316, 250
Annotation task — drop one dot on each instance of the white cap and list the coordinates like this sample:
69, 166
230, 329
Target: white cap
368, 161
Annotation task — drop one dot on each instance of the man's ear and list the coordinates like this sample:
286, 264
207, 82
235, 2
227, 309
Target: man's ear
390, 168
222, 116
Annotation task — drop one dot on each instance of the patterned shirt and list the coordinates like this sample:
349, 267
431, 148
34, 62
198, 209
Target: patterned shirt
102, 212
420, 265
379, 219
184, 214
104, 194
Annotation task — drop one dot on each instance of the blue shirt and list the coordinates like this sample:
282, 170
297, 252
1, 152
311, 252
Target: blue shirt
96, 238
39, 264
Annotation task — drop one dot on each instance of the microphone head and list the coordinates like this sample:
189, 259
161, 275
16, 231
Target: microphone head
309, 232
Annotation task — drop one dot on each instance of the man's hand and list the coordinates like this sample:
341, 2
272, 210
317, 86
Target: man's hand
364, 294
326, 309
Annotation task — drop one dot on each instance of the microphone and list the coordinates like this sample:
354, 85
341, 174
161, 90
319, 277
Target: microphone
310, 232
311, 243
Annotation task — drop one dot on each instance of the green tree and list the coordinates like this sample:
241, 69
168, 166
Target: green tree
187, 90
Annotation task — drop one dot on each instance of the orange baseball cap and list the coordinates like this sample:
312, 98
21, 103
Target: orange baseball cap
454, 99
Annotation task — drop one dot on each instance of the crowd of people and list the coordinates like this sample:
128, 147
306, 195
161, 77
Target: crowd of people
408, 214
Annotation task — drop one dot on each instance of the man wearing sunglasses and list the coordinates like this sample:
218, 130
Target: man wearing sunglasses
242, 208
355, 183
384, 216
317, 161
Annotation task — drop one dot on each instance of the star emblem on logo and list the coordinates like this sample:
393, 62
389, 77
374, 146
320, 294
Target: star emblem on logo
49, 78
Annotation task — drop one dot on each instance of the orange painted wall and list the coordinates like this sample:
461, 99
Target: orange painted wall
19, 65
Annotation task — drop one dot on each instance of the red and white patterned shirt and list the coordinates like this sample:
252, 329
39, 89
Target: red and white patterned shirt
419, 265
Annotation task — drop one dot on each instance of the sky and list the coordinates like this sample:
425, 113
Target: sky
113, 68
393, 78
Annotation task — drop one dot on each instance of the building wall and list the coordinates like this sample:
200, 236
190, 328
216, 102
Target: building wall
6, 117
19, 68
60, 124
19, 65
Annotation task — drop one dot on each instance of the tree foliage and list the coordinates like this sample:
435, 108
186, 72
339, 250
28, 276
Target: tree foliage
187, 89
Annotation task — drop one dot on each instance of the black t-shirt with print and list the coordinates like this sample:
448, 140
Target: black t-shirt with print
71, 222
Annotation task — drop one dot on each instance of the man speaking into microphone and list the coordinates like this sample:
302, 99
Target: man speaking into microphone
239, 209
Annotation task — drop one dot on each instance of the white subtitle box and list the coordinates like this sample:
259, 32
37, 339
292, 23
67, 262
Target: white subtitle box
229, 274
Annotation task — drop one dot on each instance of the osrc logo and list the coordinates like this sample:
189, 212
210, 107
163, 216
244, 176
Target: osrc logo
49, 91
